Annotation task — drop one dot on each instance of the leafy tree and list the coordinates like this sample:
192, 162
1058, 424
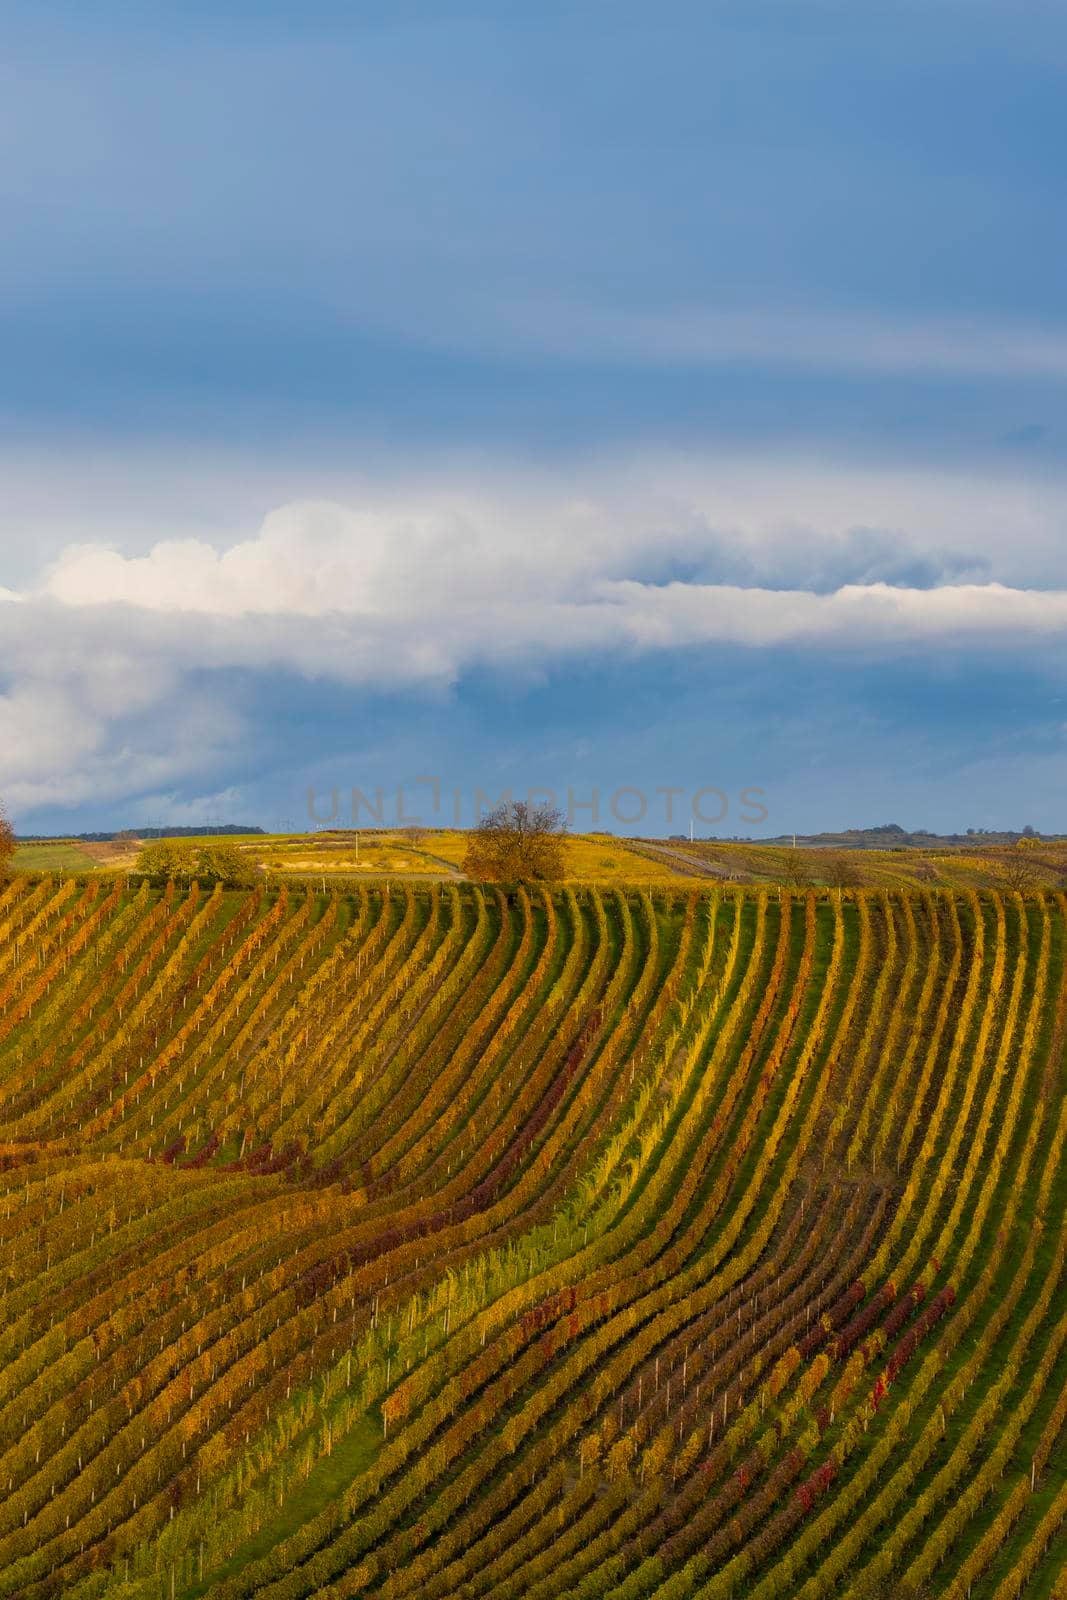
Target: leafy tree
516, 843
223, 862
217, 861
167, 858
7, 843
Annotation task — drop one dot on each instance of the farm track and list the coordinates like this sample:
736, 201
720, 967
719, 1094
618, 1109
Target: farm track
423, 1240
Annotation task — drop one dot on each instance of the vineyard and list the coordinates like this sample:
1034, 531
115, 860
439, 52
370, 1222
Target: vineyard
434, 1241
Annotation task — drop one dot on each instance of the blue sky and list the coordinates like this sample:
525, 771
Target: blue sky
573, 395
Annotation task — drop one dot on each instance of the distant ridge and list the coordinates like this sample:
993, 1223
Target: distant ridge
890, 836
138, 833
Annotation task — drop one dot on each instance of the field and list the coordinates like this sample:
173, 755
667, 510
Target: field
54, 857
370, 853
341, 855
1024, 865
422, 1240
76, 855
588, 858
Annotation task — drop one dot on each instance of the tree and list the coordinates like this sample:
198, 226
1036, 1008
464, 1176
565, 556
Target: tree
798, 869
167, 858
217, 861
7, 843
1018, 869
222, 862
839, 871
516, 843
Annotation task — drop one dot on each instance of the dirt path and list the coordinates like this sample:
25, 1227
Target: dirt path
692, 866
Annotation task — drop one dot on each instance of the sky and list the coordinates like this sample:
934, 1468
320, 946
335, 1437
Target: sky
657, 406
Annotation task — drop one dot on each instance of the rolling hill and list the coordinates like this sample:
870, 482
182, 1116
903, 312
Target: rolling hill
426, 1240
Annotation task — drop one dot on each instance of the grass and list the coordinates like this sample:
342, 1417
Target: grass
588, 858
352, 1453
53, 857
598, 858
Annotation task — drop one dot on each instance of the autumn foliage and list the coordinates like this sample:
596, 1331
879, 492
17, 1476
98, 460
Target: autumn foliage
516, 842
529, 1241
7, 843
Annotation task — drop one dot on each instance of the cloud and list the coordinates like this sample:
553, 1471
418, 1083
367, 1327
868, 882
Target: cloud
876, 614
125, 675
809, 339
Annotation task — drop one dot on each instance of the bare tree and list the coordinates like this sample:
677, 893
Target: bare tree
414, 834
798, 869
1018, 869
516, 843
839, 871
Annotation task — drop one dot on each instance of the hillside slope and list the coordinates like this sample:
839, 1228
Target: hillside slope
429, 1241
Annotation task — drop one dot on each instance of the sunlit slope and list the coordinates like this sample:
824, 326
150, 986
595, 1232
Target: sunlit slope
1029, 864
437, 1242
343, 855
343, 858
588, 858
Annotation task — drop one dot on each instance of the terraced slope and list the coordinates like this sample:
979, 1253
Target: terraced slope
436, 1242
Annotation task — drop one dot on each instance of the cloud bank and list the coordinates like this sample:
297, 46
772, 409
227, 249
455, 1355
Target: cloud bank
121, 673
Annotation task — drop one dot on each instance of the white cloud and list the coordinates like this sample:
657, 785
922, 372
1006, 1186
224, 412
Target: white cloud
217, 806
117, 670
875, 614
